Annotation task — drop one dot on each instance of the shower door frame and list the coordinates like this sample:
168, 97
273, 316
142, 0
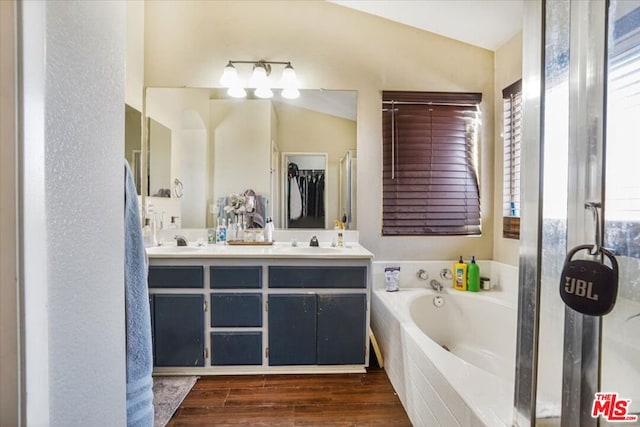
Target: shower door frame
587, 106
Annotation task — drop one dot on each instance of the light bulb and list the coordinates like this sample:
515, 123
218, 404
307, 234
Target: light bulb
236, 92
290, 93
229, 76
264, 92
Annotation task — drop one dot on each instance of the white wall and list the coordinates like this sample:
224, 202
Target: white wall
508, 62
72, 212
337, 48
134, 82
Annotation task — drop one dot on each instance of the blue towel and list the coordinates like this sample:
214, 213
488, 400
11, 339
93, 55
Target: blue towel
139, 353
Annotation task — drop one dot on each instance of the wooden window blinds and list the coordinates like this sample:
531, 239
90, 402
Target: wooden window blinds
511, 135
430, 182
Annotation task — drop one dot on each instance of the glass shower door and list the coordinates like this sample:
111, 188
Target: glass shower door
589, 110
620, 343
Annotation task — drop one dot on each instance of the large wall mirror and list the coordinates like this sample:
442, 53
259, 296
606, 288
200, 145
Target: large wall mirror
204, 146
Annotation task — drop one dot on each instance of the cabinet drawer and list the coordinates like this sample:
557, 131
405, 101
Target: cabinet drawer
317, 277
164, 276
236, 277
236, 310
236, 348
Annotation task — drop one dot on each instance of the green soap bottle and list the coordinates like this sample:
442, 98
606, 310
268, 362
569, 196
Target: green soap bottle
473, 276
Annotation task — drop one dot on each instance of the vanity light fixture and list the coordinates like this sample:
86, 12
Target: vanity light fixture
260, 80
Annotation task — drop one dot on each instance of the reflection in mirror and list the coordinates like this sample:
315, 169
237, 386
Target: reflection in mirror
304, 190
132, 143
221, 146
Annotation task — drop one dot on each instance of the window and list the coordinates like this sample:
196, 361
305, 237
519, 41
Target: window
430, 182
511, 134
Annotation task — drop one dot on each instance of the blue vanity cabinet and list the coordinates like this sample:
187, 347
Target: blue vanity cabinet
255, 315
178, 329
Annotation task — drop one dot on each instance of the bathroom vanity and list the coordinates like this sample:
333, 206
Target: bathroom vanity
259, 309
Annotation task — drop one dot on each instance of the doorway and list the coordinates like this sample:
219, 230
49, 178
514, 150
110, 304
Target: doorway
305, 190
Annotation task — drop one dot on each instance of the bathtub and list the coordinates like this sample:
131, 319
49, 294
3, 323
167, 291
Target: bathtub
450, 365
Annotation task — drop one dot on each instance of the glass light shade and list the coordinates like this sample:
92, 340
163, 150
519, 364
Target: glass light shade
237, 92
229, 76
290, 93
289, 79
264, 92
259, 76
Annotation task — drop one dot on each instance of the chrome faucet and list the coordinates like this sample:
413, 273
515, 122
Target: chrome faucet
181, 240
436, 286
314, 242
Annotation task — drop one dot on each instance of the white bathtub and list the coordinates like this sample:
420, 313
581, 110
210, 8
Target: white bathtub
471, 383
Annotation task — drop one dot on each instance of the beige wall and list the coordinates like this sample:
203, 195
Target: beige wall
508, 70
189, 43
309, 131
240, 134
9, 338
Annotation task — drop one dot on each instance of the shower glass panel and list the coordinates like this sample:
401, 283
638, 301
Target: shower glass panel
554, 212
620, 363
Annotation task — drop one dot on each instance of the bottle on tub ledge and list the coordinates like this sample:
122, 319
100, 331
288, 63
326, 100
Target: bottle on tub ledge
460, 275
473, 276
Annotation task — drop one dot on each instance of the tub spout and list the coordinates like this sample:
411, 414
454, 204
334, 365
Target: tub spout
436, 286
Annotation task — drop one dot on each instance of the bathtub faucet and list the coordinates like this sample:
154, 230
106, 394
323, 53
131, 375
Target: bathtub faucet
436, 286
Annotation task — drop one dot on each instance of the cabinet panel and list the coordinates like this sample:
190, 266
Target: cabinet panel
317, 277
236, 277
341, 329
236, 309
178, 330
292, 329
236, 348
165, 276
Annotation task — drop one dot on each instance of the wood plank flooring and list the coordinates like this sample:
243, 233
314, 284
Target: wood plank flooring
293, 400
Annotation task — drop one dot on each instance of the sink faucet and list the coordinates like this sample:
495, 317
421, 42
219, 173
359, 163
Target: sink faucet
181, 240
436, 286
314, 241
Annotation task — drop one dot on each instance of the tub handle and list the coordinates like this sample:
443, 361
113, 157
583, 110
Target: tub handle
422, 274
446, 274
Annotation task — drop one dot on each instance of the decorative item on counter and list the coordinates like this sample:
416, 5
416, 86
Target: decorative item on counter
392, 278
249, 235
460, 275
268, 230
473, 276
339, 225
221, 236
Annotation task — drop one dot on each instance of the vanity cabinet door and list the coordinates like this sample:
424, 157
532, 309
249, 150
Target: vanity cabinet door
292, 329
341, 329
178, 330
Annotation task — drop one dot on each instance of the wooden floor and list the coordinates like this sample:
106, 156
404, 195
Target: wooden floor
292, 400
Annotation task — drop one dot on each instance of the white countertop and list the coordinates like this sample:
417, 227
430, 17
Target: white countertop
351, 250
